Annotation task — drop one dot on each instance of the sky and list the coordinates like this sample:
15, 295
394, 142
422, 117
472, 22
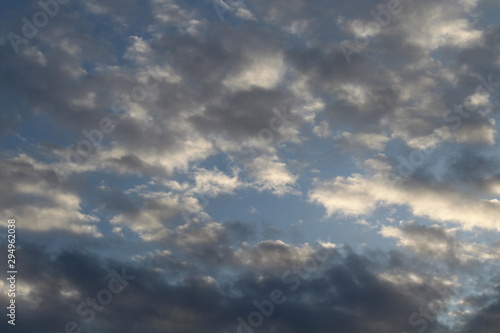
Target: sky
251, 165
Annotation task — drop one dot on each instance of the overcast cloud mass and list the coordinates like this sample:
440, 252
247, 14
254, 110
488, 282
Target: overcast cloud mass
251, 165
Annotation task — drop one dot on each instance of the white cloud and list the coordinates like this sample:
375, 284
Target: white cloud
271, 174
322, 130
358, 195
264, 71
41, 204
440, 244
245, 14
371, 141
431, 27
214, 182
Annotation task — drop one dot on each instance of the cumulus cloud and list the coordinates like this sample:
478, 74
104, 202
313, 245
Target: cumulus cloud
260, 117
359, 195
35, 196
438, 243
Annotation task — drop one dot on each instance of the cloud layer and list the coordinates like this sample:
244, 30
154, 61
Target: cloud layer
333, 161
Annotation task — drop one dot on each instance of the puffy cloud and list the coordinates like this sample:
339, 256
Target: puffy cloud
370, 141
39, 202
210, 302
271, 174
358, 195
261, 92
438, 243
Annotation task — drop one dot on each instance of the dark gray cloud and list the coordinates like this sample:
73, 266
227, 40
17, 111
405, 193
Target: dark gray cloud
344, 294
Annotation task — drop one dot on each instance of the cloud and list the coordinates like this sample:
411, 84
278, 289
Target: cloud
362, 140
270, 174
210, 113
358, 195
438, 243
38, 201
211, 303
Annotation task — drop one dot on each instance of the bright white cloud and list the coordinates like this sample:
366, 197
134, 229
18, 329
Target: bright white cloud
358, 195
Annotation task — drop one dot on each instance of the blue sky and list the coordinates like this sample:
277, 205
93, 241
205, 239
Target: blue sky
216, 157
